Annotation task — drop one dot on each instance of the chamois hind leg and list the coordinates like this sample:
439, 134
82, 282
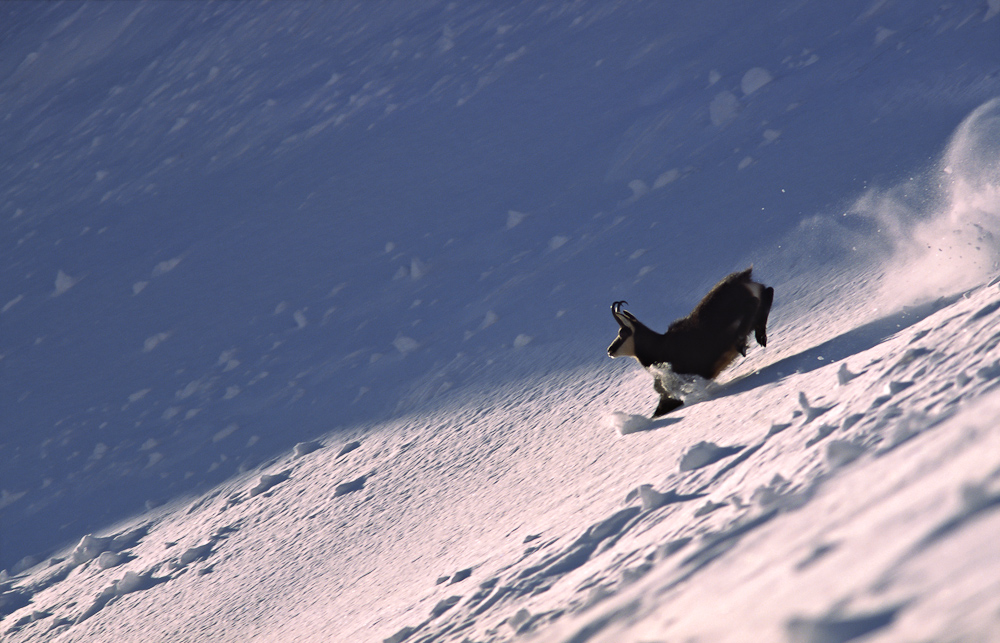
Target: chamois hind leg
747, 322
760, 326
667, 403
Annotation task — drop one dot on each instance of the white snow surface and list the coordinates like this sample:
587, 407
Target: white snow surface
230, 417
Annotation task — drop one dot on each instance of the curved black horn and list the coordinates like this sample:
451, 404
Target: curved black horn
616, 309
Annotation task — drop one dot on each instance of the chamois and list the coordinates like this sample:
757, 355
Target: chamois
703, 343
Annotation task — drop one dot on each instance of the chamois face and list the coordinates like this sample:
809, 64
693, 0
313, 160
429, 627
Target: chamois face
624, 344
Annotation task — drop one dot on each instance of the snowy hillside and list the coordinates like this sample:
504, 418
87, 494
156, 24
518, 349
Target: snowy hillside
304, 312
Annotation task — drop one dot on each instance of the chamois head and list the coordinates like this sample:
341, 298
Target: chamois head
624, 344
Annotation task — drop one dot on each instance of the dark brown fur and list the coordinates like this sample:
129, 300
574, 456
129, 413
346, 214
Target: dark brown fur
706, 341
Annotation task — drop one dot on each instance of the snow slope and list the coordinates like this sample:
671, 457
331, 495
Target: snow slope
304, 312
811, 500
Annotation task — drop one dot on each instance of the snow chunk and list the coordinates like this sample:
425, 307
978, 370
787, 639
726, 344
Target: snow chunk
63, 283
164, 267
405, 344
777, 427
192, 554
269, 480
490, 319
666, 178
349, 487
625, 423
154, 341
138, 395
138, 287
521, 617
417, 269
844, 375
100, 449
109, 559
401, 635
651, 499
704, 454
836, 628
557, 242
754, 79
132, 582
303, 448
842, 452
226, 432
722, 109
347, 448
883, 34
897, 386
522, 340
993, 8
639, 189
89, 548
770, 136
10, 304
9, 498
812, 412
514, 218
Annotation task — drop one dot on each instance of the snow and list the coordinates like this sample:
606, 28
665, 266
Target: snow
197, 439
625, 423
754, 79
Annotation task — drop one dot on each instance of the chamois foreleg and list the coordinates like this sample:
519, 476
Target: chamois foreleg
667, 403
760, 325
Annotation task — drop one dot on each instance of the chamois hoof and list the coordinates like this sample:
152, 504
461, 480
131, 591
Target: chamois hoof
666, 405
